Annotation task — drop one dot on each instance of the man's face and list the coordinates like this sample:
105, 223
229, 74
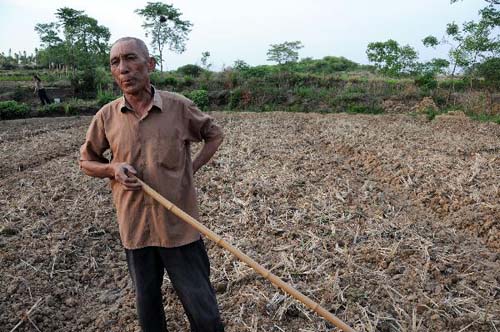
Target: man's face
130, 67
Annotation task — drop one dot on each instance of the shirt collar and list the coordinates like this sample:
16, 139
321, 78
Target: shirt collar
157, 102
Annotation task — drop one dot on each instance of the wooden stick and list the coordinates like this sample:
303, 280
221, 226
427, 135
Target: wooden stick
253, 264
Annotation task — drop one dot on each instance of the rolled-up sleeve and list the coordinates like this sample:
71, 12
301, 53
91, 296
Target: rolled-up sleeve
201, 126
95, 141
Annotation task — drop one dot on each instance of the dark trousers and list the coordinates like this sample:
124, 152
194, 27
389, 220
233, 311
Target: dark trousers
43, 96
189, 271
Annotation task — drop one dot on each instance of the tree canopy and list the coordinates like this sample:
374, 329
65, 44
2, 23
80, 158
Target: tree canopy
75, 40
285, 52
164, 25
391, 58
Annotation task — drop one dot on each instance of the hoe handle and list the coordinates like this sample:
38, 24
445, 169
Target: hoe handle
253, 264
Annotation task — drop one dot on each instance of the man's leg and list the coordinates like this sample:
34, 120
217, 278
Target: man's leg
40, 95
146, 269
189, 270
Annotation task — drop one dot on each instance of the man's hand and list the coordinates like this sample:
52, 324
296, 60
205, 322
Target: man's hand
120, 171
206, 152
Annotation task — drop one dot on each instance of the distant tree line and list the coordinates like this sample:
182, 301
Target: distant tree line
474, 49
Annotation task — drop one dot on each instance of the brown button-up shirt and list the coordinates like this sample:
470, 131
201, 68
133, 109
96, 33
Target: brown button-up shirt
157, 145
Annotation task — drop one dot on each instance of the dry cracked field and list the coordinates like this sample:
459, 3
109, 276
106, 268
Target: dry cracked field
390, 222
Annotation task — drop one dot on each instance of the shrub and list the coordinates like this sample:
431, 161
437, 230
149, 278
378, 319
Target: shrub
200, 98
187, 81
427, 82
13, 110
104, 97
170, 81
364, 109
431, 113
103, 78
460, 84
191, 70
259, 71
70, 109
235, 98
51, 110
155, 78
490, 70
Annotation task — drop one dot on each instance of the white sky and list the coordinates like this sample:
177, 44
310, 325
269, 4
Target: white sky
235, 29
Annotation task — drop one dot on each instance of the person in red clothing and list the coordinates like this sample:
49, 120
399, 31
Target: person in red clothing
149, 133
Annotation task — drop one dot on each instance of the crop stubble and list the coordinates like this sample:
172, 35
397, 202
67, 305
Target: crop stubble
390, 222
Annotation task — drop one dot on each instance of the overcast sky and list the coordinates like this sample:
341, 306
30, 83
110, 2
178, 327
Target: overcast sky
234, 29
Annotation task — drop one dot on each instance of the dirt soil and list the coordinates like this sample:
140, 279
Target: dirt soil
391, 222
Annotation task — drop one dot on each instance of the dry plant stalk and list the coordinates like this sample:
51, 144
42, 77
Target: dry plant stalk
278, 282
26, 316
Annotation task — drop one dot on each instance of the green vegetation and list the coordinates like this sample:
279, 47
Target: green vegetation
486, 117
164, 24
391, 58
200, 98
286, 52
13, 110
74, 55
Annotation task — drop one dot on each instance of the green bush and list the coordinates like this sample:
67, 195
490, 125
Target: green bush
490, 70
427, 82
191, 70
103, 78
327, 65
155, 78
235, 98
259, 71
13, 110
431, 113
170, 81
200, 98
187, 81
104, 97
70, 109
51, 110
364, 109
460, 84
486, 117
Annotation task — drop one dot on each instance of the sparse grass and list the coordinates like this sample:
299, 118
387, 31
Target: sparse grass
485, 117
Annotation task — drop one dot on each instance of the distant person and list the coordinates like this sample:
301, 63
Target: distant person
41, 90
150, 133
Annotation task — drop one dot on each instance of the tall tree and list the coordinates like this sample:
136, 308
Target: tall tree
48, 33
74, 40
472, 43
391, 58
285, 52
164, 24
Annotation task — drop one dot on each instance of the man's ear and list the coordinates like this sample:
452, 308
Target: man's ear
151, 64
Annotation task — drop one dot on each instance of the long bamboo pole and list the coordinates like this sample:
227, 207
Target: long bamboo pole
253, 264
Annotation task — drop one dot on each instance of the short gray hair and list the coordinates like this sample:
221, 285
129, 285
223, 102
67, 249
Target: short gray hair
139, 42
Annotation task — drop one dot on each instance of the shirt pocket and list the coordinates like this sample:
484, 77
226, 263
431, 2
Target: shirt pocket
169, 150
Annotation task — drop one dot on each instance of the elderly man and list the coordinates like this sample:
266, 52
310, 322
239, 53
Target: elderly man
149, 133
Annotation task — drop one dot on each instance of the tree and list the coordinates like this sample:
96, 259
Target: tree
204, 60
430, 41
163, 22
83, 36
473, 42
48, 33
489, 69
285, 52
391, 58
240, 65
74, 40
